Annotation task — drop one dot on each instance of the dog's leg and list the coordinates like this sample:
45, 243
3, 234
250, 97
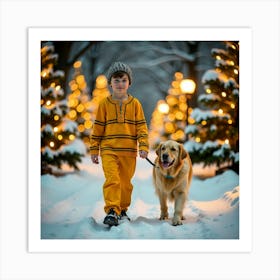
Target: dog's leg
163, 206
180, 199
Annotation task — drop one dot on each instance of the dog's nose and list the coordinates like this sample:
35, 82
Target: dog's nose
165, 156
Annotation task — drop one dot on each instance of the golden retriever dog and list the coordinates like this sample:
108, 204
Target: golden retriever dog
172, 175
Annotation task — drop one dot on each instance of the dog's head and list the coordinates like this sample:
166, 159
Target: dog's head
170, 153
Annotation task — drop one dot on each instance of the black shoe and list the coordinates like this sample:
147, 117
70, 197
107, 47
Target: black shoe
123, 216
111, 219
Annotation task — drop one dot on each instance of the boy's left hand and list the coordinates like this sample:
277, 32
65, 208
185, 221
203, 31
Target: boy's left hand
143, 154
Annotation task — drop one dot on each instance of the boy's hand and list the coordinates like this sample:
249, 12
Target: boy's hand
143, 154
94, 159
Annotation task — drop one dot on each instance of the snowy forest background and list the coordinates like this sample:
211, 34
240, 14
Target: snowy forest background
205, 119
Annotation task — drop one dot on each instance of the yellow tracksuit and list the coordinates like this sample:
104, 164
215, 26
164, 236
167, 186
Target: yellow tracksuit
118, 128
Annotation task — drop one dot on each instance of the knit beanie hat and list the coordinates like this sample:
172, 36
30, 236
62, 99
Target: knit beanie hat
119, 67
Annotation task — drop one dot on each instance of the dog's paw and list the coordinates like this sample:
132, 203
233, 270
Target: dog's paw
176, 221
163, 216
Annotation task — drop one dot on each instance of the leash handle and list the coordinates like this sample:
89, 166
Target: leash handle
150, 161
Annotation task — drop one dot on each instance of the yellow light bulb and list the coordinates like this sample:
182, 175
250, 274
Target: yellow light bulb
188, 86
88, 124
80, 108
163, 108
77, 64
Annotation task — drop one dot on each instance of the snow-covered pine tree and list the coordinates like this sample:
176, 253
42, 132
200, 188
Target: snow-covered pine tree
57, 132
213, 136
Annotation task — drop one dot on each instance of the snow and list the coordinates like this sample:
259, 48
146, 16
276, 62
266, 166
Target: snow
72, 207
212, 75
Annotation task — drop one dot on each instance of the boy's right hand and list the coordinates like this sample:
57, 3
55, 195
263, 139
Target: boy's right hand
94, 159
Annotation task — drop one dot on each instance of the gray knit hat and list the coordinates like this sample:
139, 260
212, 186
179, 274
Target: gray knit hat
119, 67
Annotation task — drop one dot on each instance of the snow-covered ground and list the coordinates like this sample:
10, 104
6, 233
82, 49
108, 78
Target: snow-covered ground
72, 207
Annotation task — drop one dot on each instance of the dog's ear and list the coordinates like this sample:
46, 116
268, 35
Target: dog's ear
183, 152
158, 149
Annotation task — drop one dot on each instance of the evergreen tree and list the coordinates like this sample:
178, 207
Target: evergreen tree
157, 131
100, 92
57, 132
170, 116
80, 104
214, 131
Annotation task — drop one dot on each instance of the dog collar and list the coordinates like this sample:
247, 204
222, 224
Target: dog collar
168, 177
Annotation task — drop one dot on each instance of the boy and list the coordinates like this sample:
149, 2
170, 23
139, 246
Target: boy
120, 123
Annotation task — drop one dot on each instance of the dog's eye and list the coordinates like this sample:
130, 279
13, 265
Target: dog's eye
163, 148
173, 149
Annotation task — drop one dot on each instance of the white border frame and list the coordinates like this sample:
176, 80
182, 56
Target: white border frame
243, 35
262, 16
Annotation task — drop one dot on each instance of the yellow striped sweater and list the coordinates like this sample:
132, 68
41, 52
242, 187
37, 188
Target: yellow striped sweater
118, 127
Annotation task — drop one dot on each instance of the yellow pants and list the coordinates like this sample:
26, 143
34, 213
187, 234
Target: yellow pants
117, 188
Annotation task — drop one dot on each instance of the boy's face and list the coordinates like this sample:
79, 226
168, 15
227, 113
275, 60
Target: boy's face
120, 84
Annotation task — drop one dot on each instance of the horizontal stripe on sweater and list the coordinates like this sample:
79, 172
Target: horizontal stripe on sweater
114, 136
116, 121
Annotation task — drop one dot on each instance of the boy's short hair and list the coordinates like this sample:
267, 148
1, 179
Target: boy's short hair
119, 74
119, 68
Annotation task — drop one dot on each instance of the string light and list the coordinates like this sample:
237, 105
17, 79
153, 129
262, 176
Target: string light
88, 124
81, 128
77, 64
80, 108
178, 76
163, 108
72, 114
